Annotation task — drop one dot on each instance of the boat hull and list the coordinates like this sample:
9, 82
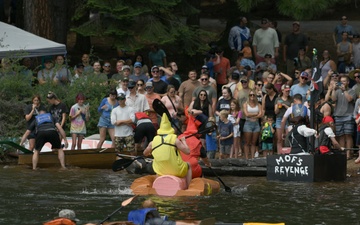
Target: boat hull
89, 158
173, 186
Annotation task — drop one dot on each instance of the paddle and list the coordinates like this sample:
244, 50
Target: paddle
123, 204
160, 109
227, 189
16, 146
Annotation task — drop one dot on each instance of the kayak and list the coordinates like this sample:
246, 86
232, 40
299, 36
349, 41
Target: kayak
168, 185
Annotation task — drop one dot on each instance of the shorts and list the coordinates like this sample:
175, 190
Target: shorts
278, 123
251, 126
105, 122
344, 125
51, 136
225, 149
125, 144
266, 146
144, 130
31, 136
236, 131
211, 154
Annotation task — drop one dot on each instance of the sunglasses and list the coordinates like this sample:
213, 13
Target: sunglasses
130, 87
203, 95
304, 78
204, 79
252, 95
155, 71
357, 77
244, 81
259, 84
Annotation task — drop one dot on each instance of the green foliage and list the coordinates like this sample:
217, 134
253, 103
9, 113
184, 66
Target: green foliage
135, 24
16, 94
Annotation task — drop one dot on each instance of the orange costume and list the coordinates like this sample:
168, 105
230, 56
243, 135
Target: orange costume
194, 146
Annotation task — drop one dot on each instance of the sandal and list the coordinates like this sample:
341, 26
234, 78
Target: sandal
357, 160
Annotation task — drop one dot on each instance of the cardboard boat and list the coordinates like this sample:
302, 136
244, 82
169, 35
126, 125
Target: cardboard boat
168, 185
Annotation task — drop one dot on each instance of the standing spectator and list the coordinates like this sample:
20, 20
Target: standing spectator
211, 92
281, 79
265, 42
138, 73
356, 87
119, 68
136, 100
293, 42
157, 56
123, 87
301, 87
151, 96
104, 124
97, 77
140, 87
268, 101
107, 70
211, 142
235, 76
252, 111
167, 75
221, 70
326, 64
237, 35
210, 62
245, 82
172, 103
224, 101
343, 48
340, 28
79, 115
302, 62
63, 74
357, 121
85, 60
356, 50
122, 117
144, 69
160, 86
267, 135
347, 65
58, 109
79, 72
174, 68
30, 112
234, 117
266, 65
226, 133
47, 74
344, 122
282, 103
187, 88
258, 90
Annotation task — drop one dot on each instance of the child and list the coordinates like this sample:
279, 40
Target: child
234, 117
357, 121
226, 131
211, 141
267, 135
79, 114
247, 50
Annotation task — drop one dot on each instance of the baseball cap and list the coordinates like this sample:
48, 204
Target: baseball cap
131, 84
121, 96
137, 64
69, 214
268, 55
296, 22
149, 84
125, 79
235, 75
154, 67
126, 67
204, 67
264, 20
242, 72
285, 87
304, 74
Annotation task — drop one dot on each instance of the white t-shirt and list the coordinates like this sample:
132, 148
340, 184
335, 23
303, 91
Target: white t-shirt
123, 113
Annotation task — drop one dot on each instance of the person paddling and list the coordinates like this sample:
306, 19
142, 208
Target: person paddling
165, 150
45, 127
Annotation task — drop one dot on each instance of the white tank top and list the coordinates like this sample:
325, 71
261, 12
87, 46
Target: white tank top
252, 110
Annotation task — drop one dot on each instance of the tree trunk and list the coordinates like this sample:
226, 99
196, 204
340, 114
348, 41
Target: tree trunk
82, 43
61, 20
38, 18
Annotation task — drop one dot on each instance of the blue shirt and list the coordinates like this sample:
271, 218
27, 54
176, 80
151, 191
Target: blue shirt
211, 142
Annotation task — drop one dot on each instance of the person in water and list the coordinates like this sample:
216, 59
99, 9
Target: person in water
165, 149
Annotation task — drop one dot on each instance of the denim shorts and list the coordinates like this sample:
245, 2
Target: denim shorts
105, 122
251, 126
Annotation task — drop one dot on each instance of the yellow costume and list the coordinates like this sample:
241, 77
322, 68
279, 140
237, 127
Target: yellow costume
167, 158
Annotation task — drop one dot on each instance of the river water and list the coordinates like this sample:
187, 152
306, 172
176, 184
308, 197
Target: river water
32, 197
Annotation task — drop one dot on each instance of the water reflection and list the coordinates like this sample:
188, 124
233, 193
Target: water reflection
32, 197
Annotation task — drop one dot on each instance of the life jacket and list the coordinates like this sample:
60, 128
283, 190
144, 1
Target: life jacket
266, 133
43, 118
298, 110
138, 216
60, 221
297, 141
139, 116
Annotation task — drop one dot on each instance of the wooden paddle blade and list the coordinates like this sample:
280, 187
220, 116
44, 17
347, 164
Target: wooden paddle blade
121, 164
227, 189
128, 201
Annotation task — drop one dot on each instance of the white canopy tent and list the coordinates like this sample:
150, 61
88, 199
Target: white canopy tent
15, 42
